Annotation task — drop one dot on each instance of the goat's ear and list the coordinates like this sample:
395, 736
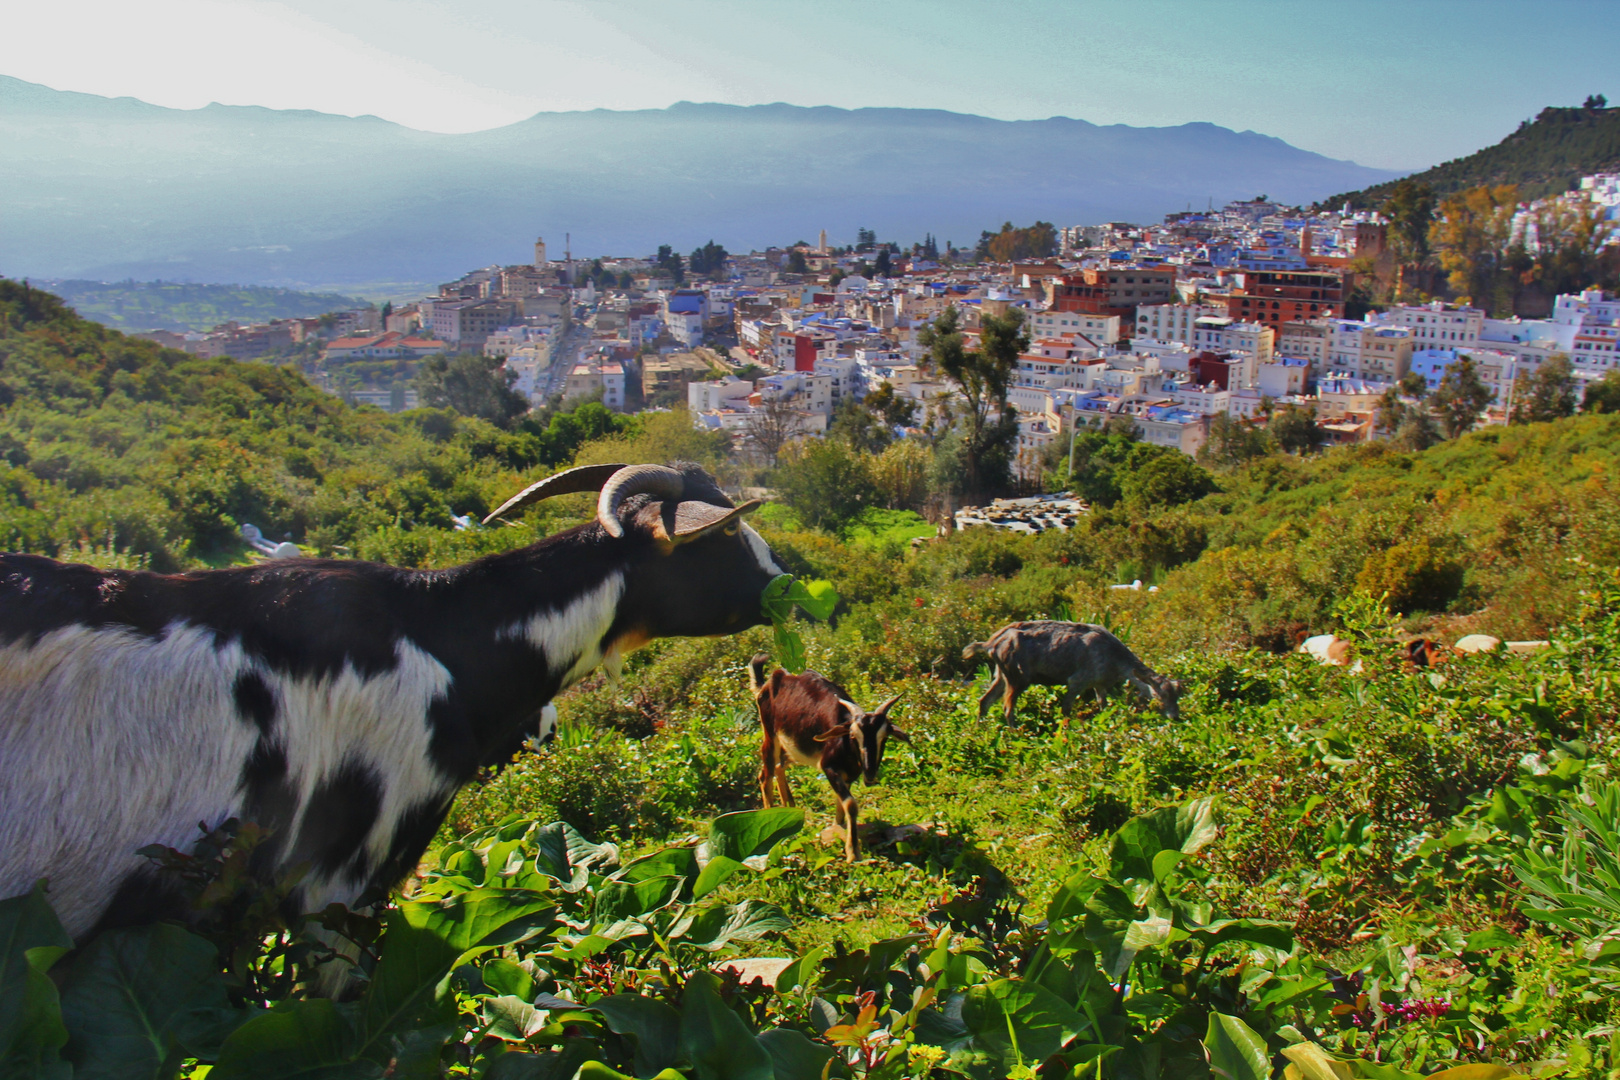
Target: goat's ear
689, 521
896, 733
833, 733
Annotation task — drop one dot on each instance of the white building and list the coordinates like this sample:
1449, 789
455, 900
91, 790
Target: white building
729, 393
1436, 325
1174, 322
1100, 330
1370, 351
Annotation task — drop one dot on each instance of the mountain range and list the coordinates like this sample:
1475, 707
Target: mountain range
112, 188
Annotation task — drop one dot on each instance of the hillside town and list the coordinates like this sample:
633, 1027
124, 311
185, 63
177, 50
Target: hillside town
1233, 312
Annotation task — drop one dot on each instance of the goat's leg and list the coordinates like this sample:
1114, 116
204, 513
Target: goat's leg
782, 784
844, 812
1072, 690
998, 685
1009, 700
768, 766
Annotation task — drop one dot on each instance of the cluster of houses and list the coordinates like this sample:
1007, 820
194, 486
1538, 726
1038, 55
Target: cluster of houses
1234, 311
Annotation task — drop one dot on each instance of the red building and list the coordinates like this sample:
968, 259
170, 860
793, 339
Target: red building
1274, 297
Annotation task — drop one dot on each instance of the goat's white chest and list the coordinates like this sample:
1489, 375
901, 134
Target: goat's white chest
791, 751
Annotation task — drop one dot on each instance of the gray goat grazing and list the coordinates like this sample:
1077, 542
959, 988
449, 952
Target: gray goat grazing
1078, 656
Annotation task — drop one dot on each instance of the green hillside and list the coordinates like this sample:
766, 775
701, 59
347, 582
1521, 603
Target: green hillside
1373, 873
170, 305
1545, 156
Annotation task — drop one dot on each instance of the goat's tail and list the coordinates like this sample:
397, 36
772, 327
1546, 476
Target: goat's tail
756, 672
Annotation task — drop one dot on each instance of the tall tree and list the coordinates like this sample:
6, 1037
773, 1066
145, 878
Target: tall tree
883, 267
1410, 209
1232, 443
1548, 394
472, 384
771, 425
1461, 396
1475, 240
826, 482
1295, 430
1603, 396
989, 426
1567, 243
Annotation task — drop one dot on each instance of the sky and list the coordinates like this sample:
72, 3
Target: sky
1396, 84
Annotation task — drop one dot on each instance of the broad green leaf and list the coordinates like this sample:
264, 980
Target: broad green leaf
31, 941
1184, 829
794, 1056
680, 861
1268, 932
562, 853
595, 1070
1371, 1070
508, 977
1235, 1051
302, 1040
655, 1025
1477, 1071
424, 941
1152, 932
616, 900
1165, 863
1012, 1023
1314, 1063
1069, 902
558, 1065
131, 996
715, 1040
817, 598
805, 971
747, 833
712, 927
512, 1018
716, 873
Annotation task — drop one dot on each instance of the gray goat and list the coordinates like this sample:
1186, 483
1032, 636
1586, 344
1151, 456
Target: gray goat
1078, 656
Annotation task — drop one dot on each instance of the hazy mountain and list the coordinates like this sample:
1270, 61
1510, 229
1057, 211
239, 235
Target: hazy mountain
113, 188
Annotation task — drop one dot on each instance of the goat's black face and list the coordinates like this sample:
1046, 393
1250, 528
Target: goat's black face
871, 732
705, 586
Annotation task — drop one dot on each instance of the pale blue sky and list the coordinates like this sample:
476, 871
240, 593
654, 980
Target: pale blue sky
1397, 84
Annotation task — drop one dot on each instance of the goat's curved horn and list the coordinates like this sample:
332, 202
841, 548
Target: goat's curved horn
659, 480
883, 709
567, 482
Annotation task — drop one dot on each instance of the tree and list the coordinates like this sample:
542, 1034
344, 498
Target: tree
883, 267
1461, 396
797, 263
1038, 241
1232, 443
1475, 241
1595, 102
771, 425
1417, 431
710, 259
853, 423
473, 385
1295, 430
1567, 243
982, 375
826, 482
865, 239
897, 409
1548, 394
1603, 396
1410, 209
1168, 479
670, 263
900, 474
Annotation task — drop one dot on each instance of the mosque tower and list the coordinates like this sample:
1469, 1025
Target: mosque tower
540, 252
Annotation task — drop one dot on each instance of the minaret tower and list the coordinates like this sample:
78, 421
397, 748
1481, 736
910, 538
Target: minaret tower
540, 252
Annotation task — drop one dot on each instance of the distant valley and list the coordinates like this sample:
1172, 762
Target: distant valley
108, 189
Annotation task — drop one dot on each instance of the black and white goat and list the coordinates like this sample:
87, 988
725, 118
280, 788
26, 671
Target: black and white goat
808, 720
340, 704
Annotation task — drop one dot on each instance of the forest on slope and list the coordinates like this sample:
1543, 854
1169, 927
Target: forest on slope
1545, 156
136, 306
1310, 864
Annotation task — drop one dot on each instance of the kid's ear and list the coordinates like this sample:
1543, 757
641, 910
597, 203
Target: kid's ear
836, 733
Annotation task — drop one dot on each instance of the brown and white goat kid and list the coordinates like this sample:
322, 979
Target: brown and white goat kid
809, 720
